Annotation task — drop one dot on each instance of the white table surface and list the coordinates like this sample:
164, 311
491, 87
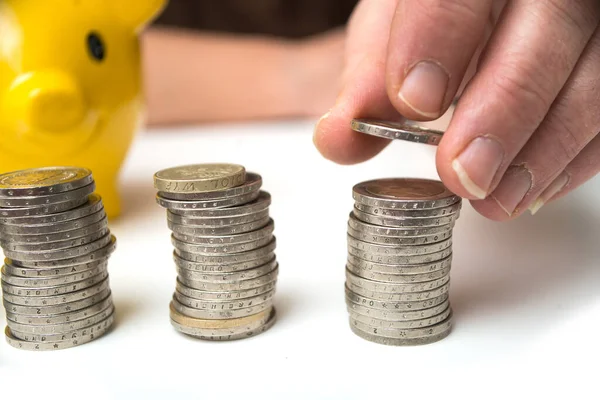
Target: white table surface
525, 294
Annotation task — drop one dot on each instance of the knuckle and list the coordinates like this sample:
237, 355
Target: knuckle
518, 89
459, 8
461, 15
570, 140
578, 15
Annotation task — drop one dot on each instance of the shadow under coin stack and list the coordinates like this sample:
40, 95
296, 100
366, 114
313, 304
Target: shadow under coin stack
399, 257
224, 250
54, 233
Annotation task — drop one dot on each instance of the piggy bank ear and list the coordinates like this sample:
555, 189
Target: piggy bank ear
137, 13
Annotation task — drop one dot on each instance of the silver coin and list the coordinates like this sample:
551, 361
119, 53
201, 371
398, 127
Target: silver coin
61, 254
60, 318
199, 178
54, 227
99, 330
61, 337
50, 281
404, 194
253, 183
252, 236
361, 226
58, 299
83, 259
54, 290
433, 330
200, 205
395, 315
262, 202
43, 181
228, 277
356, 282
399, 297
25, 272
410, 324
62, 244
42, 210
399, 250
64, 327
217, 222
400, 342
241, 285
404, 213
234, 258
224, 305
55, 310
220, 314
36, 201
397, 131
403, 260
222, 268
91, 206
394, 305
223, 295
405, 222
223, 249
218, 231
217, 335
397, 278
7, 240
413, 269
399, 240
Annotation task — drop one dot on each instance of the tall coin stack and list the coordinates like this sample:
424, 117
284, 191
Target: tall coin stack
399, 257
224, 250
54, 233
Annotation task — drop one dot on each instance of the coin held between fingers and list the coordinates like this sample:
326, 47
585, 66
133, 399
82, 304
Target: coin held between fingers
397, 131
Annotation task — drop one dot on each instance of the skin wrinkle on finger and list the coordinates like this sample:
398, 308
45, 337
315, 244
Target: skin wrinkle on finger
588, 10
523, 65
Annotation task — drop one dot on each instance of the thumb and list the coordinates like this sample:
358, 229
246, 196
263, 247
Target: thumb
363, 93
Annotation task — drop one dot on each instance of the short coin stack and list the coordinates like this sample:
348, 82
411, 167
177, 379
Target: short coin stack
399, 257
224, 250
54, 233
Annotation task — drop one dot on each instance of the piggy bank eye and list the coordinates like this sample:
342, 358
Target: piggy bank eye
96, 46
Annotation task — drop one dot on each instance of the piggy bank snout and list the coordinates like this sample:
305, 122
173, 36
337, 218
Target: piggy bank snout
56, 109
48, 101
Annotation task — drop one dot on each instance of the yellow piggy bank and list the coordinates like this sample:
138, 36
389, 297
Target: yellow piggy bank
71, 86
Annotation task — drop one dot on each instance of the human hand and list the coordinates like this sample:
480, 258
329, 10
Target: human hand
525, 130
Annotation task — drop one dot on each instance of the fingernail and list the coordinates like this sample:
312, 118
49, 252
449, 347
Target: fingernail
477, 165
556, 186
424, 89
324, 117
512, 189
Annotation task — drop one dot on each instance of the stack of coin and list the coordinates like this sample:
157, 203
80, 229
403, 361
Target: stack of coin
399, 257
224, 250
54, 233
